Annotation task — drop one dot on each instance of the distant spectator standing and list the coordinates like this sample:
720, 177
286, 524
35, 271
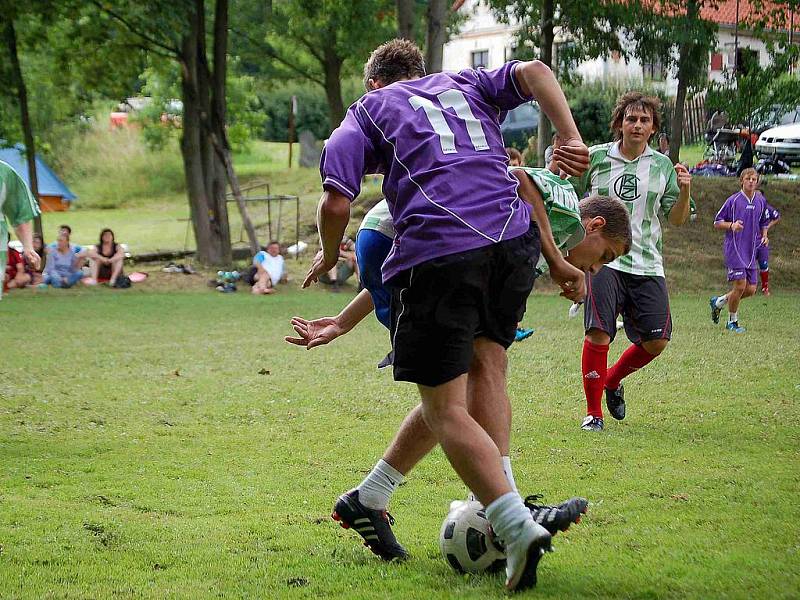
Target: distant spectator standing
269, 268
106, 259
18, 207
62, 264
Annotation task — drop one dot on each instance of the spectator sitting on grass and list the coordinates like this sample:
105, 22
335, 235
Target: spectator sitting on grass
38, 247
15, 276
269, 269
345, 267
62, 270
67, 230
106, 259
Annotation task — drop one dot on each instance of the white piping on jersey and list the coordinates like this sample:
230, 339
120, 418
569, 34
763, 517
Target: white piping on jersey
514, 83
342, 187
428, 198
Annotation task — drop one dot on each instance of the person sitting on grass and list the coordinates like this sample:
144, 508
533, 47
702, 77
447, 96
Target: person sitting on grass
62, 270
106, 259
269, 266
745, 221
15, 276
346, 266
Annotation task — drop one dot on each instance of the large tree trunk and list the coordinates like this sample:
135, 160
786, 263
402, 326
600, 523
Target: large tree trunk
333, 85
545, 132
436, 35
405, 19
686, 53
10, 36
204, 171
219, 136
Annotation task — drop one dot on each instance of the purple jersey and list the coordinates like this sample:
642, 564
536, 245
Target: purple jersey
740, 248
437, 141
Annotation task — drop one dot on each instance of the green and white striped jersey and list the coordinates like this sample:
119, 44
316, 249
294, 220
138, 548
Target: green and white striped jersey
563, 212
647, 186
16, 202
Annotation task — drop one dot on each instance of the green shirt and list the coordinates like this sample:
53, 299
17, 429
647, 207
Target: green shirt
562, 206
16, 202
647, 186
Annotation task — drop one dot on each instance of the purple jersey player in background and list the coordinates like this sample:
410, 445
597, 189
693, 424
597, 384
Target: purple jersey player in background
461, 269
762, 252
744, 219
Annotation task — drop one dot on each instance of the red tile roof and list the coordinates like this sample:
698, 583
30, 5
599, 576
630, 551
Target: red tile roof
725, 14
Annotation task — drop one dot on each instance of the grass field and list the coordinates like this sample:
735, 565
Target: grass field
186, 451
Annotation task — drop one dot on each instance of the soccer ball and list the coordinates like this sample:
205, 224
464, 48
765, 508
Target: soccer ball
467, 541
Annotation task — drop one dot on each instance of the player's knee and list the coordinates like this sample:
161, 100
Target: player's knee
750, 290
599, 337
655, 347
487, 358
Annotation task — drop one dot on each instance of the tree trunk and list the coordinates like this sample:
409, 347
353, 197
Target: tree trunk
436, 35
544, 134
686, 53
333, 85
204, 171
219, 136
27, 130
405, 19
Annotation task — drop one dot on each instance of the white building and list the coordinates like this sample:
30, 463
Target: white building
485, 42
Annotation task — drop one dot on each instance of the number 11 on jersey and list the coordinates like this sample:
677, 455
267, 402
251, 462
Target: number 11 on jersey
451, 99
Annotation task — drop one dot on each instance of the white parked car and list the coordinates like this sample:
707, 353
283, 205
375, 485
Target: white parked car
784, 141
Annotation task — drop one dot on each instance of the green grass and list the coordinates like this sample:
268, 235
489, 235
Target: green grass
143, 455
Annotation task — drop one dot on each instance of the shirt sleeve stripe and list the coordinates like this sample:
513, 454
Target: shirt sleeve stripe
516, 85
339, 186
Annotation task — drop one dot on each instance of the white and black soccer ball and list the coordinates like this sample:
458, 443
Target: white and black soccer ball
467, 541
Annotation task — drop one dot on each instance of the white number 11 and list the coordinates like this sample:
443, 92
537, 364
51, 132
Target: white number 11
451, 99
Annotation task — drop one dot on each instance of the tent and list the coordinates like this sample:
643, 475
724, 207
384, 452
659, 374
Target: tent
54, 195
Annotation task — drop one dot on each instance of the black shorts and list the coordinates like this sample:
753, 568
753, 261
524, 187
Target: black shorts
642, 300
439, 307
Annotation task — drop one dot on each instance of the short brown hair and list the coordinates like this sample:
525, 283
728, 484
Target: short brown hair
393, 61
514, 154
639, 101
746, 172
618, 220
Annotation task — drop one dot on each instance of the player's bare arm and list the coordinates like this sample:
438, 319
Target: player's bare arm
570, 279
25, 235
333, 215
680, 211
537, 80
324, 330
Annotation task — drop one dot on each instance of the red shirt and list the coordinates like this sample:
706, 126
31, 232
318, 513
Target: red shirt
14, 259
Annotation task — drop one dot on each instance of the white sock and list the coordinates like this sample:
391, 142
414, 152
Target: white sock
733, 317
509, 473
379, 485
507, 514
721, 301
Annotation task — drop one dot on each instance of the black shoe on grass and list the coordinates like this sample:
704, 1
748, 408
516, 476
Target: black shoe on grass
372, 525
615, 402
557, 518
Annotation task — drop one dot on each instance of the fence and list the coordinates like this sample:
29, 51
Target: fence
694, 118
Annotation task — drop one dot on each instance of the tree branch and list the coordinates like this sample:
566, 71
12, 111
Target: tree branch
274, 55
172, 52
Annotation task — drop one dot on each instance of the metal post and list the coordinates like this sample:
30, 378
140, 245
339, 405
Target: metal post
736, 43
297, 228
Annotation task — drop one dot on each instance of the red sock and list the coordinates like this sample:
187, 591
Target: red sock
764, 279
633, 359
594, 364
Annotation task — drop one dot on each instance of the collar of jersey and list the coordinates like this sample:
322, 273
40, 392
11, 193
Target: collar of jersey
615, 153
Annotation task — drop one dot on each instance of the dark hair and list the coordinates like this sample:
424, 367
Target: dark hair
639, 101
273, 242
514, 154
618, 220
67, 227
393, 61
113, 242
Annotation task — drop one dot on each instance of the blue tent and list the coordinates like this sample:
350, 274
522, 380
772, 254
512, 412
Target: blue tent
49, 183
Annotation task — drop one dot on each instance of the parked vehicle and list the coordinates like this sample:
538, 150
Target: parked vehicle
776, 118
782, 141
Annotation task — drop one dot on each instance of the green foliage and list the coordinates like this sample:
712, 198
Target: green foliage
758, 92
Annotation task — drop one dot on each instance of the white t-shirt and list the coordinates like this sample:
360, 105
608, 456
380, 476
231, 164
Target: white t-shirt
272, 265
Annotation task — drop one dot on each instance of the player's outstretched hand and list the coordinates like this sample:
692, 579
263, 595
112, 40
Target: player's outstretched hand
737, 226
572, 157
684, 177
571, 280
314, 333
32, 258
318, 267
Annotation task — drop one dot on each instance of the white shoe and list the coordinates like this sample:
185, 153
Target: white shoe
523, 554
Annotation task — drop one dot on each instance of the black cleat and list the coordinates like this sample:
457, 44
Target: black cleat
557, 518
372, 525
591, 423
615, 402
714, 309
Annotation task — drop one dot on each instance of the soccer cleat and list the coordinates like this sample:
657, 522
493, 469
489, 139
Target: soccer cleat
615, 402
734, 327
522, 334
591, 423
523, 554
765, 290
557, 518
715, 310
372, 525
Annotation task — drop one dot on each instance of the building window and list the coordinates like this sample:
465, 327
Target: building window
716, 62
746, 59
654, 70
480, 58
